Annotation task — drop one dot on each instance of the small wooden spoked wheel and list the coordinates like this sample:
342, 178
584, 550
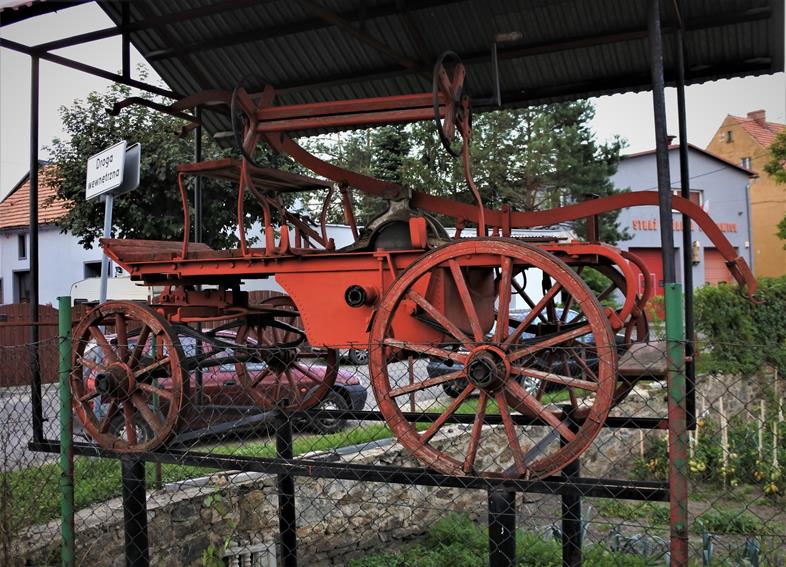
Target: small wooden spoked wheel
448, 90
282, 372
128, 387
455, 305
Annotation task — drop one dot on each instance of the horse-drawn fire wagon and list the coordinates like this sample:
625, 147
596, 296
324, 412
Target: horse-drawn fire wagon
403, 288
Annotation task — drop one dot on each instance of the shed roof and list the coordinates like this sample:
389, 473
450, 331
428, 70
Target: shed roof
549, 50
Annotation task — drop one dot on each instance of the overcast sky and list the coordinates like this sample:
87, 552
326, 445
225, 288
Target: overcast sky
627, 115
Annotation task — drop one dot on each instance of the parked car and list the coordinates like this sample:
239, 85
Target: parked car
221, 398
357, 356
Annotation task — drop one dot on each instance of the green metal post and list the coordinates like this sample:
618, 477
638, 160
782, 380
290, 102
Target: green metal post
678, 430
66, 436
157, 480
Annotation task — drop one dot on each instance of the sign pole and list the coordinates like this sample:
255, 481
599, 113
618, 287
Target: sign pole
111, 172
109, 201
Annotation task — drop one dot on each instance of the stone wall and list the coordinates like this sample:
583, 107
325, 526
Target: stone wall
337, 519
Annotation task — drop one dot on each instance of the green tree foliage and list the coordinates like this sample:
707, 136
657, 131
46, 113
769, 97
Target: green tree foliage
530, 159
390, 147
153, 211
776, 164
743, 336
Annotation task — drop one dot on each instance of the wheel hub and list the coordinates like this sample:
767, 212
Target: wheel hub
488, 368
116, 382
281, 359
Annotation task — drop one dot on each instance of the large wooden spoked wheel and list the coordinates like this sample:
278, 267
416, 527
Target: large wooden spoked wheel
466, 290
128, 387
286, 374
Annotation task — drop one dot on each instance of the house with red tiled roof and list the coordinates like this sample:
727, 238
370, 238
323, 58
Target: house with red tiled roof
62, 260
745, 141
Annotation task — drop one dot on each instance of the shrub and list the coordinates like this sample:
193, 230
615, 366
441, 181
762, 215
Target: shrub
743, 335
457, 541
742, 463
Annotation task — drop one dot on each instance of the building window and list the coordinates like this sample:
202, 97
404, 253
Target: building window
696, 197
92, 269
746, 162
22, 287
728, 136
2, 297
22, 245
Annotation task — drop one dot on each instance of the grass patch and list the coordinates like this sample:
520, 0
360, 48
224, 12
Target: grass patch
654, 513
35, 491
471, 405
456, 541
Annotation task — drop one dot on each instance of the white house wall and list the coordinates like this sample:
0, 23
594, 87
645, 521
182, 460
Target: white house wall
61, 263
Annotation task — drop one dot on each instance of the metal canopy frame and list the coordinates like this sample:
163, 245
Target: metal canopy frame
571, 486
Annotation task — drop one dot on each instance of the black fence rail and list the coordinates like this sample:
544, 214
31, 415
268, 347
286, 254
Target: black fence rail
240, 484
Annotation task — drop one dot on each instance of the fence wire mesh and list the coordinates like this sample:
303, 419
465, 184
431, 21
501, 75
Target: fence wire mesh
214, 415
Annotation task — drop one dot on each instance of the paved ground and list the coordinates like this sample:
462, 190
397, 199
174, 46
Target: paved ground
16, 428
424, 400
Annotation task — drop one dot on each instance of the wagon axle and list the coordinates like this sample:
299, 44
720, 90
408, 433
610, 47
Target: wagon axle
117, 381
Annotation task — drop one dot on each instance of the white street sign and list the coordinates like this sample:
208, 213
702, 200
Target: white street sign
105, 170
133, 159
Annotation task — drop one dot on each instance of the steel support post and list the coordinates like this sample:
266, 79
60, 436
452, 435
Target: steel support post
197, 178
678, 437
66, 436
35, 366
572, 536
502, 527
125, 9
661, 141
135, 512
198, 377
687, 237
678, 431
287, 525
109, 201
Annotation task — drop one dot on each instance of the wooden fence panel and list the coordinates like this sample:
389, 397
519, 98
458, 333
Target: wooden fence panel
15, 365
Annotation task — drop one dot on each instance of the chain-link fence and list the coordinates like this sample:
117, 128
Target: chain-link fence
397, 461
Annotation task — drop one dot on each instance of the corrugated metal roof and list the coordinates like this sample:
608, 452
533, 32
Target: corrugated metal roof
567, 49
